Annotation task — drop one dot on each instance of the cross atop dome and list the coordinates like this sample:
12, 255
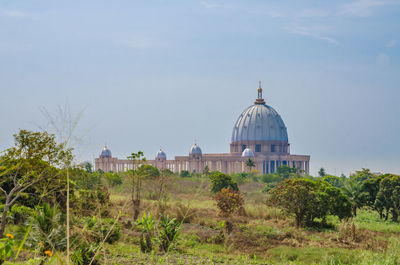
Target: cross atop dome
259, 100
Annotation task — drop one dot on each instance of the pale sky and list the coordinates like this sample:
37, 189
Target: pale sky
153, 74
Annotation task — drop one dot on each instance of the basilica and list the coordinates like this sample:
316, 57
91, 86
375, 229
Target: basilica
259, 134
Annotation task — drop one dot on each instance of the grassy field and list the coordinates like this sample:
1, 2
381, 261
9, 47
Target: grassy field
260, 235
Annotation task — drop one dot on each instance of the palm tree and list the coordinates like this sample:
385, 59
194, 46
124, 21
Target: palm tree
250, 164
352, 188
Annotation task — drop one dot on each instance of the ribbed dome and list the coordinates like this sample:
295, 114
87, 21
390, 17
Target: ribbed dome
161, 155
195, 150
247, 153
105, 152
259, 122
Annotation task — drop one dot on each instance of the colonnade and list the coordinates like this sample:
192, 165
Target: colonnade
227, 166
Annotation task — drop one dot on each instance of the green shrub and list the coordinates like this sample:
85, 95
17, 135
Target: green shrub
309, 199
228, 201
113, 179
169, 231
84, 254
47, 230
21, 213
271, 178
6, 247
146, 225
220, 180
99, 228
185, 174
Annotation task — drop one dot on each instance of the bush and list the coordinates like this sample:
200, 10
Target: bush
146, 224
47, 230
184, 213
271, 178
240, 178
185, 174
84, 254
309, 199
6, 247
21, 213
220, 180
113, 179
99, 228
228, 201
169, 232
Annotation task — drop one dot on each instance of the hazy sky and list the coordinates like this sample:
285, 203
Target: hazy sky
164, 73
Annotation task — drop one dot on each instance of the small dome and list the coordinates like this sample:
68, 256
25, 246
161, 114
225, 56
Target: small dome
195, 150
247, 153
161, 154
105, 152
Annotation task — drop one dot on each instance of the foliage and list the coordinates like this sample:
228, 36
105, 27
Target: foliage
362, 175
228, 201
148, 171
169, 231
6, 247
309, 199
20, 213
98, 228
29, 166
271, 178
184, 174
84, 254
90, 201
240, 178
89, 167
353, 189
47, 229
185, 213
146, 224
388, 196
333, 180
250, 164
285, 172
268, 187
322, 172
370, 188
138, 160
220, 180
206, 170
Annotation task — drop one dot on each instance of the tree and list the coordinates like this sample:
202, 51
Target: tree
353, 189
333, 180
32, 159
309, 199
285, 172
370, 187
185, 174
89, 167
322, 172
363, 175
388, 196
250, 164
206, 170
137, 159
228, 201
220, 180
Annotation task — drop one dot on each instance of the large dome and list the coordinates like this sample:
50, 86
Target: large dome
105, 153
259, 122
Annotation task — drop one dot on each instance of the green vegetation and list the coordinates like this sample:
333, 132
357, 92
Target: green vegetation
148, 216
